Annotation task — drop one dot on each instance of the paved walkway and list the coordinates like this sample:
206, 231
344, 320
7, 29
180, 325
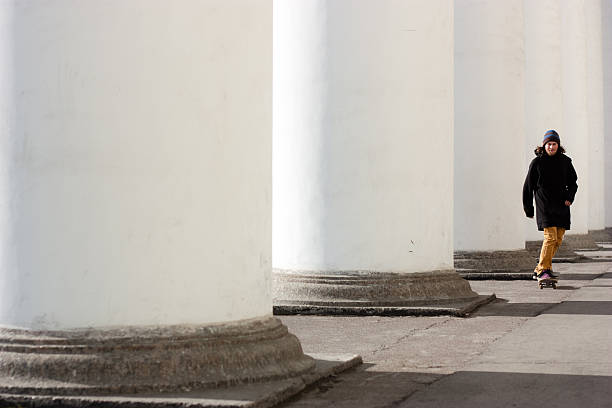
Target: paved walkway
530, 348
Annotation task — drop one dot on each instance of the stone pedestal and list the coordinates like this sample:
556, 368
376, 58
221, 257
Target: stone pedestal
495, 264
567, 250
603, 235
371, 293
155, 359
363, 124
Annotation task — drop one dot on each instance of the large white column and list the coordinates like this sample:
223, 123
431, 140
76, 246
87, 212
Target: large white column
135, 194
607, 86
489, 125
543, 95
595, 109
363, 123
575, 137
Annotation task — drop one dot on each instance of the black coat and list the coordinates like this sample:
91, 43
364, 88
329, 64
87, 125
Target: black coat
553, 181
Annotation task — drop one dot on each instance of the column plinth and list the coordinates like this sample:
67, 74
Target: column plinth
372, 293
148, 359
566, 252
495, 264
602, 235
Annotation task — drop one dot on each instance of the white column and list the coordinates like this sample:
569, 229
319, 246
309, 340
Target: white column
489, 125
363, 123
127, 172
607, 86
575, 137
135, 181
543, 95
593, 11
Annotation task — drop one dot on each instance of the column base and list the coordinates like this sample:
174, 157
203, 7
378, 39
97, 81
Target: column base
156, 359
580, 242
564, 254
372, 293
603, 236
567, 250
501, 265
261, 394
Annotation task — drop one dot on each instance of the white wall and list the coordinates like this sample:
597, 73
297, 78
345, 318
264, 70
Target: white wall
595, 116
575, 137
135, 148
543, 95
607, 86
363, 122
489, 125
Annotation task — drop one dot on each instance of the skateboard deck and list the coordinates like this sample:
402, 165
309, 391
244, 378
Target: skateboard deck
547, 283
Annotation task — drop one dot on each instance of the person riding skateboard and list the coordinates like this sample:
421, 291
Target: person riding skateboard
552, 180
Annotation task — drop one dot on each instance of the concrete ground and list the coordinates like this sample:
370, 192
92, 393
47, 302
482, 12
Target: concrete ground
529, 348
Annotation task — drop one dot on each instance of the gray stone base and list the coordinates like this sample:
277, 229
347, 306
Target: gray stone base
160, 359
564, 254
580, 242
568, 250
517, 264
604, 235
255, 395
459, 308
371, 293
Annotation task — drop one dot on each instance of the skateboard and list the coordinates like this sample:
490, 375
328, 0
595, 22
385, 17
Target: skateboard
548, 283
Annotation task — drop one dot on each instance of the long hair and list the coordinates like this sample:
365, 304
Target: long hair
540, 151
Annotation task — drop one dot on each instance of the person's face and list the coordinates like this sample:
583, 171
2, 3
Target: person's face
551, 148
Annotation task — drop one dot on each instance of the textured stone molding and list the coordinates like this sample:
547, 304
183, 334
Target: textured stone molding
148, 359
580, 242
346, 291
492, 262
604, 235
564, 254
256, 395
571, 243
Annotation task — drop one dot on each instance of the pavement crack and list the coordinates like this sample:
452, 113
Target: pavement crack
410, 333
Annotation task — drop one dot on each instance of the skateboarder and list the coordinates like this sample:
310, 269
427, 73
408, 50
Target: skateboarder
552, 179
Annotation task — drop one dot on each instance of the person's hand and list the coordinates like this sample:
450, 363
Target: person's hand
568, 203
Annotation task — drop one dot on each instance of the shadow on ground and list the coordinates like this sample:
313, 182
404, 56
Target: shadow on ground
363, 387
465, 389
501, 307
366, 388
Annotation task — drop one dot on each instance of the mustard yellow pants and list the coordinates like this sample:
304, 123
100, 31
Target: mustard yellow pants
553, 237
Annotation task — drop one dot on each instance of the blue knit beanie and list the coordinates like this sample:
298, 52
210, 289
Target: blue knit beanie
551, 136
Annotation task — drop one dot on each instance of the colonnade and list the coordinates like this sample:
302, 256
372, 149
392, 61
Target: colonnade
161, 167
558, 70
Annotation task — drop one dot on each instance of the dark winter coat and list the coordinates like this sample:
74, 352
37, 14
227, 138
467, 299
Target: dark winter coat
552, 179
